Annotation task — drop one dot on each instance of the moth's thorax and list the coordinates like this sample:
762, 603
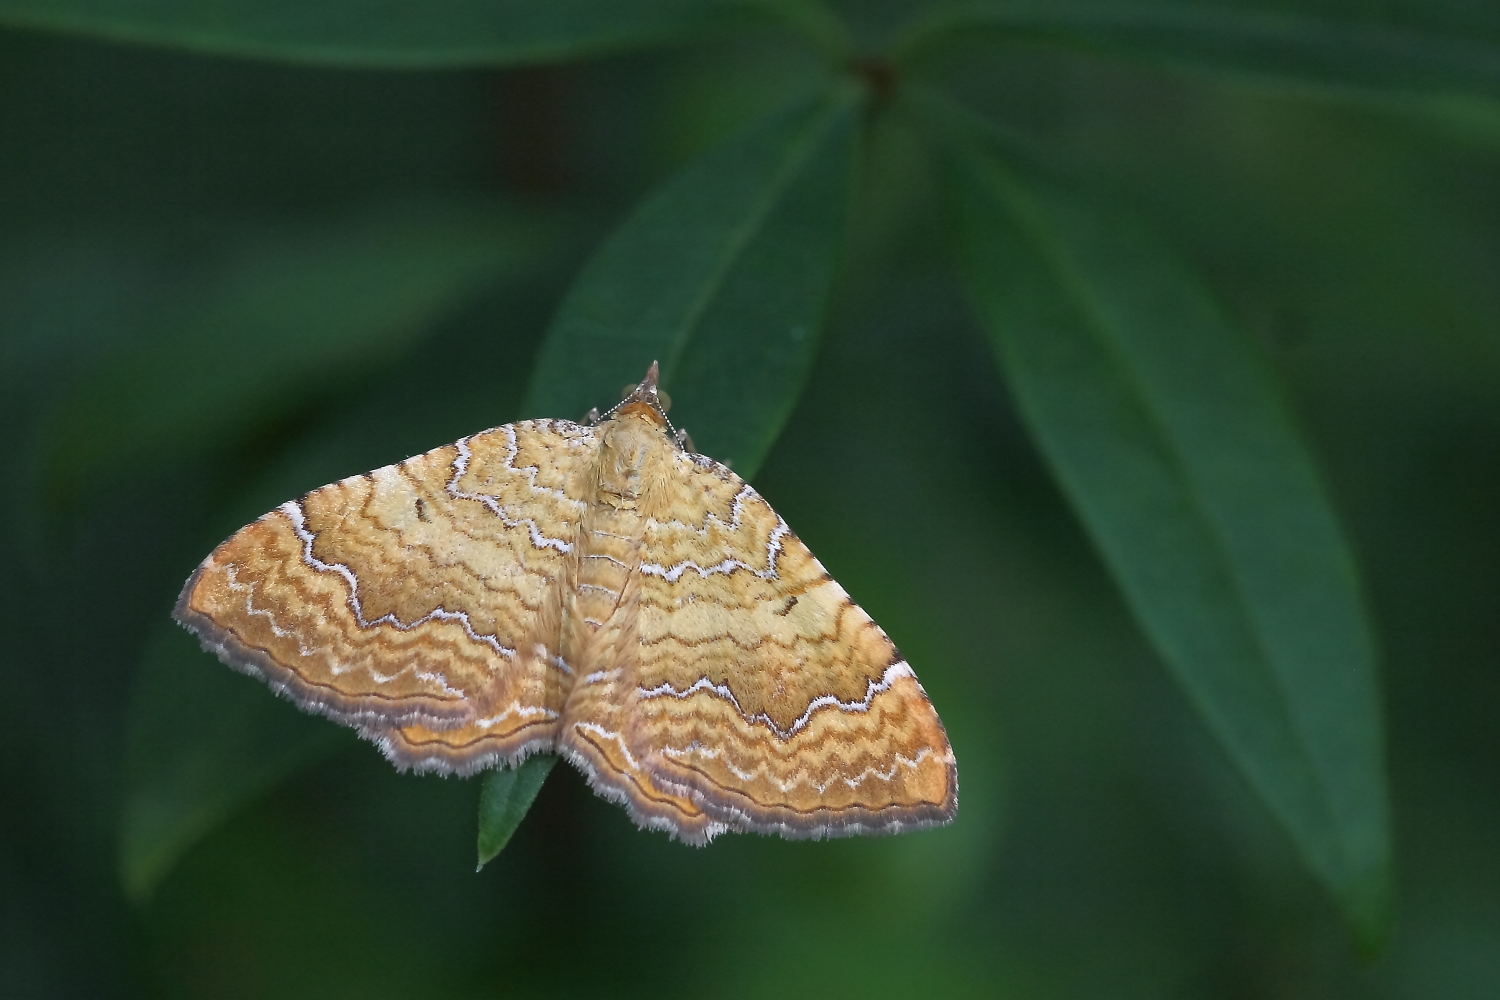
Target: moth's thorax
632, 464
635, 458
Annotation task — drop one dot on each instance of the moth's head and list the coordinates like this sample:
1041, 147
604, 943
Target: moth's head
647, 393
646, 403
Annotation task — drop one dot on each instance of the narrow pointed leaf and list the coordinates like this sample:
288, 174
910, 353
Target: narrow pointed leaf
1301, 48
722, 276
504, 799
1171, 441
380, 33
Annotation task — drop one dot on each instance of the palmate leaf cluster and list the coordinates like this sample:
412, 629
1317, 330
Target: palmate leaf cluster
1160, 409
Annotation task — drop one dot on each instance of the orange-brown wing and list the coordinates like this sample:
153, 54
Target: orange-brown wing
419, 602
762, 698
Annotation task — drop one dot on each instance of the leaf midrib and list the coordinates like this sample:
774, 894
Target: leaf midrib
796, 157
1095, 314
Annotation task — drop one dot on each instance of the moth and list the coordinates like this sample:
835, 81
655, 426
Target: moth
596, 591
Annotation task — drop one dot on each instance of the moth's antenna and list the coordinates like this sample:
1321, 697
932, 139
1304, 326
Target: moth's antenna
648, 392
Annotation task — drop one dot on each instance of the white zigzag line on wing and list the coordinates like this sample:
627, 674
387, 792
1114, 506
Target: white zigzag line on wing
606, 789
601, 676
293, 510
610, 735
515, 708
252, 610
461, 465
773, 546
892, 672
671, 574
801, 778
513, 448
736, 510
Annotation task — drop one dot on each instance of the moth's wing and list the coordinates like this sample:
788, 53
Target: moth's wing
764, 699
421, 595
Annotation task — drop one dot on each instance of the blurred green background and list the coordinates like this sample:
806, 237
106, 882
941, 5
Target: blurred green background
232, 272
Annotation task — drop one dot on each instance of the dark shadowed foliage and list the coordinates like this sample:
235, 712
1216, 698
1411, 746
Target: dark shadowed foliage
1136, 365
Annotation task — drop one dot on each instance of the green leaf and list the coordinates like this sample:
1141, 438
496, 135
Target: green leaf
722, 276
504, 800
203, 741
1262, 43
1170, 439
385, 33
285, 317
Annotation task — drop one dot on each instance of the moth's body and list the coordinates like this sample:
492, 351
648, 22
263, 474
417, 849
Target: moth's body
595, 592
600, 627
628, 487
